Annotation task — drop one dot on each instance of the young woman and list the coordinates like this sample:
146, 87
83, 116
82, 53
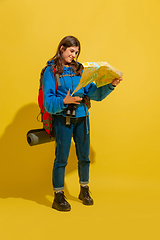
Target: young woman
57, 101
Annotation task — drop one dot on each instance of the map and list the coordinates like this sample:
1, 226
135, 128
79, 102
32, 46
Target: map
101, 73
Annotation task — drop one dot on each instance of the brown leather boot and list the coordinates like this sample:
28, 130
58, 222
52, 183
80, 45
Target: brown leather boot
60, 202
85, 196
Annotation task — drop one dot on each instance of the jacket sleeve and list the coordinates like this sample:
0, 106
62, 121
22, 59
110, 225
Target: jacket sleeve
98, 94
52, 103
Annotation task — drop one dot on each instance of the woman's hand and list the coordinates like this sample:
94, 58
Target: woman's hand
68, 99
116, 81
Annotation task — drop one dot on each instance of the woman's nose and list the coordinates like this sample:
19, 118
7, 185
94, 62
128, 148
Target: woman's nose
74, 54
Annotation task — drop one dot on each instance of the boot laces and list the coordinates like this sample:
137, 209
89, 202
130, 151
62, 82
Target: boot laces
87, 193
62, 198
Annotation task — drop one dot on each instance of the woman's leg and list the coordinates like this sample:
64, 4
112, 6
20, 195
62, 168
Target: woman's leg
82, 143
63, 135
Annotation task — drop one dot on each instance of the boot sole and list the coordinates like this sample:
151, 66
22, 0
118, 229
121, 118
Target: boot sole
88, 204
54, 206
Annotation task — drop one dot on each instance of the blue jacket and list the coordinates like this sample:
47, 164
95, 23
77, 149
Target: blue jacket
53, 100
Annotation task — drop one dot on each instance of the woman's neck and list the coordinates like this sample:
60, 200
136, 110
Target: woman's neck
67, 65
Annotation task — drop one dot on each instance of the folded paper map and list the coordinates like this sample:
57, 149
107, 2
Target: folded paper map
101, 73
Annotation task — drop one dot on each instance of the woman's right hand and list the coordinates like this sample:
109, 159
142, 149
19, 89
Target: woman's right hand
68, 99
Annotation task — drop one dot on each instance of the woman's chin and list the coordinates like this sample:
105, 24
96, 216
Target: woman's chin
68, 61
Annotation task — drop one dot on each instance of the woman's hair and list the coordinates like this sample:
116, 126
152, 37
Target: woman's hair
66, 42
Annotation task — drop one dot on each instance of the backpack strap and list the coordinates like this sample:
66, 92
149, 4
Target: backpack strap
57, 79
56, 75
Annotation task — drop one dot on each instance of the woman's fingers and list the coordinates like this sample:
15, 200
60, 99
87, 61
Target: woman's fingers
68, 92
75, 100
116, 81
68, 99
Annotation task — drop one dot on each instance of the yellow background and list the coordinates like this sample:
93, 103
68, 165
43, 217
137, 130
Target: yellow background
125, 132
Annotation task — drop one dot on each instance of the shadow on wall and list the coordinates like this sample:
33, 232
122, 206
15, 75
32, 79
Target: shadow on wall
25, 171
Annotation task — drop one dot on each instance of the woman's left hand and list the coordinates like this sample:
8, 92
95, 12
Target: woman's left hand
116, 81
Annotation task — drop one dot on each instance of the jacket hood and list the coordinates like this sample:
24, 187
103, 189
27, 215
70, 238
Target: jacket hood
50, 62
66, 70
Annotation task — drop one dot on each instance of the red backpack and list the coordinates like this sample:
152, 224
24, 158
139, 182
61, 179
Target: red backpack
46, 117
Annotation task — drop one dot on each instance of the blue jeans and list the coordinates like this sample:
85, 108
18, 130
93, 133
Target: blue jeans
63, 135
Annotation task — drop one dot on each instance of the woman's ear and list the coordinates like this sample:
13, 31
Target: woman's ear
62, 48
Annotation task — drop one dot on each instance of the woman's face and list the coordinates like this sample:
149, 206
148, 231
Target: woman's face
69, 54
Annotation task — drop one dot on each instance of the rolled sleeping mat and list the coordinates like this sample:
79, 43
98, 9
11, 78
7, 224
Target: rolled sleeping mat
38, 136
